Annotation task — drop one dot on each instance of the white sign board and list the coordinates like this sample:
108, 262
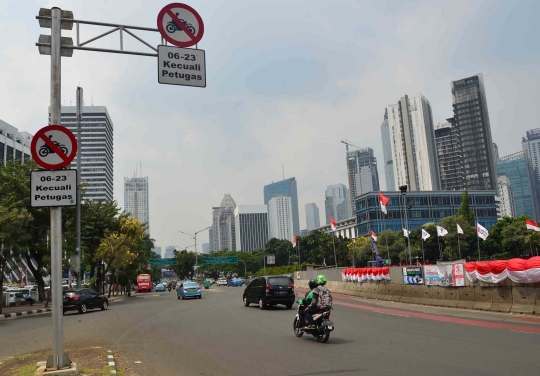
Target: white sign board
181, 66
271, 259
53, 188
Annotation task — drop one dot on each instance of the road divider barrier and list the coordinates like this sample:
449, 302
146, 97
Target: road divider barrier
405, 294
482, 298
451, 297
524, 300
426, 295
437, 296
416, 294
501, 298
466, 297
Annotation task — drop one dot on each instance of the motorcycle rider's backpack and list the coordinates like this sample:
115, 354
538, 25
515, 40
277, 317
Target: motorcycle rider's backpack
325, 298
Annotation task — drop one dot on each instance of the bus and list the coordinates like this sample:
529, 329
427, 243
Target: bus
144, 283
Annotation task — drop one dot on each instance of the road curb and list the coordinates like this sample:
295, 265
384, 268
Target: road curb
4, 316
111, 363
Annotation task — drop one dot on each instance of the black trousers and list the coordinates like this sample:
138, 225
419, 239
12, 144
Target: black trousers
308, 313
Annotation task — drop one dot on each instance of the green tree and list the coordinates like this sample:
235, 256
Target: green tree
464, 210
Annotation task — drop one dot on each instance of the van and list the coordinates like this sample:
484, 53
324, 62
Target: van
269, 291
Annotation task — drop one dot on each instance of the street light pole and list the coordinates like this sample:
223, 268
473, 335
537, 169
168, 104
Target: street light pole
245, 268
196, 252
403, 190
79, 156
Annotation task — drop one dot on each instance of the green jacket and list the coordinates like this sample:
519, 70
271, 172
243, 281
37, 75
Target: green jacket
307, 299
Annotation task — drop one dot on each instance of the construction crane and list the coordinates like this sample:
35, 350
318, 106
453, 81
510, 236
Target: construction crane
347, 146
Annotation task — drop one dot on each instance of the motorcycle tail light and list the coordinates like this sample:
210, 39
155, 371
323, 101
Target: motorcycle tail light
267, 287
75, 297
292, 285
327, 314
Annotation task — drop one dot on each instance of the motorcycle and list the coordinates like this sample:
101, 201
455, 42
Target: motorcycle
45, 150
172, 26
169, 288
323, 325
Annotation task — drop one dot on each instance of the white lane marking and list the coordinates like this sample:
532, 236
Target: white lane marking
394, 314
519, 331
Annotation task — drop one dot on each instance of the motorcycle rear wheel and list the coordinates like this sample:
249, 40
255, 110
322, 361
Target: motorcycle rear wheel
297, 330
170, 28
323, 338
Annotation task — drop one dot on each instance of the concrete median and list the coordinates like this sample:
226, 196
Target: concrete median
451, 297
466, 297
405, 294
537, 297
426, 295
524, 300
437, 296
501, 298
388, 291
365, 291
416, 294
396, 292
483, 298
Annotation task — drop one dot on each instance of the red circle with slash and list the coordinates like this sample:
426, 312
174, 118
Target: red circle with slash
180, 25
53, 147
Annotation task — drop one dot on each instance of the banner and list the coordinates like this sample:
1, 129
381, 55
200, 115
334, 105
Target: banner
446, 275
413, 276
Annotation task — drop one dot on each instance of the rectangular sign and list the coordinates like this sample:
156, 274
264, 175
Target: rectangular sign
220, 260
446, 275
163, 262
53, 188
181, 66
413, 275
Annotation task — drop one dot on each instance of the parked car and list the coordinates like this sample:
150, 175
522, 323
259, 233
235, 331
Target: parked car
83, 300
235, 282
269, 291
161, 287
189, 290
222, 282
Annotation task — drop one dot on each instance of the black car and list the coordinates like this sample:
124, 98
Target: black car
269, 291
83, 300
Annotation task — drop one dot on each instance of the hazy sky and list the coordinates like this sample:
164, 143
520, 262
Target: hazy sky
286, 81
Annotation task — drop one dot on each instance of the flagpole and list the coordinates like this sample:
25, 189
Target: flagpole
459, 247
333, 242
478, 241
439, 244
423, 256
298, 243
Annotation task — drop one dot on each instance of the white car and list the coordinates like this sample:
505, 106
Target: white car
222, 282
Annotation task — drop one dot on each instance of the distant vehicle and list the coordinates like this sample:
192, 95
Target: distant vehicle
222, 282
269, 291
189, 290
83, 300
161, 287
235, 282
144, 283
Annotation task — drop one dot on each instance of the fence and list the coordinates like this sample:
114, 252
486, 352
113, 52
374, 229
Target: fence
505, 296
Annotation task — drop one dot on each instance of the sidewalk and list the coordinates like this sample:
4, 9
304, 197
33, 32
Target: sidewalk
24, 310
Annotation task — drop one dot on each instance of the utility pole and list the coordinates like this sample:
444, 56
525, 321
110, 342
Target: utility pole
79, 156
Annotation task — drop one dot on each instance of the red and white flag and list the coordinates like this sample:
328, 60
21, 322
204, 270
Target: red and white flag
373, 235
532, 225
383, 200
482, 231
333, 223
294, 241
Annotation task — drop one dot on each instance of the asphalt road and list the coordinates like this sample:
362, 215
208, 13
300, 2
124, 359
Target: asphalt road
217, 335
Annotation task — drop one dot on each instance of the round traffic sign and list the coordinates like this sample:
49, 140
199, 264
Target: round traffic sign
180, 25
54, 147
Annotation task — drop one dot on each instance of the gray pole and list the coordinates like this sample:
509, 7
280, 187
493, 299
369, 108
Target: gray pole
334, 243
79, 156
423, 256
407, 224
58, 360
458, 246
245, 268
196, 258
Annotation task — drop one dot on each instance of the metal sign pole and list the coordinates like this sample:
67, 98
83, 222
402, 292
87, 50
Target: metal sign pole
58, 360
79, 156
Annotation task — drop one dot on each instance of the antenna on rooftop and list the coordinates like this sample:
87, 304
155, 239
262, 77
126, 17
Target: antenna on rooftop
283, 171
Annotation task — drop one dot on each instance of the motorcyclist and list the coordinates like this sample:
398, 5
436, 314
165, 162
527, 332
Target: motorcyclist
317, 304
304, 303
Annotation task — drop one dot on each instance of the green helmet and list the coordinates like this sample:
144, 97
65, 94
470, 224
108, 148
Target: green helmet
321, 279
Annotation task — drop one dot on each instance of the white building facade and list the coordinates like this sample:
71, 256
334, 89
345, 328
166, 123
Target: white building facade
96, 147
14, 144
506, 196
280, 219
412, 138
136, 199
223, 226
251, 226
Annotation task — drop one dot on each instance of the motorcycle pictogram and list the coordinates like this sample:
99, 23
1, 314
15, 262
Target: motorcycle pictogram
45, 150
172, 26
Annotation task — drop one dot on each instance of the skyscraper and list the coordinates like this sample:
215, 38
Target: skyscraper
472, 119
517, 168
362, 171
287, 188
169, 251
96, 149
387, 153
531, 143
449, 156
136, 199
496, 152
14, 144
205, 248
337, 203
414, 153
312, 216
223, 227
251, 225
280, 219
506, 196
